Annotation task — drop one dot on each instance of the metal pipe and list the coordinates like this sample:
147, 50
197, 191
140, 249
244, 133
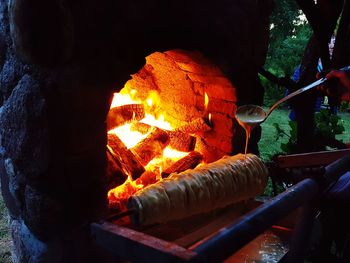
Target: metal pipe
300, 242
230, 239
337, 169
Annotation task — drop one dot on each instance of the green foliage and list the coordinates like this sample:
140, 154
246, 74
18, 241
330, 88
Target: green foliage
269, 191
272, 92
328, 125
285, 56
289, 35
283, 19
345, 106
291, 145
5, 238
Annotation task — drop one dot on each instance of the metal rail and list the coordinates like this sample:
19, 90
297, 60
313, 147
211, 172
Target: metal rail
230, 239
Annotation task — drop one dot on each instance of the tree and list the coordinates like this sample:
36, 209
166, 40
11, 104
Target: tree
288, 38
289, 35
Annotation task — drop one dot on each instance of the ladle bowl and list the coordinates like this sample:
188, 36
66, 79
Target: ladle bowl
249, 116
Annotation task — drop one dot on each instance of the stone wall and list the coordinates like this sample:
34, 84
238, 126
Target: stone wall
59, 63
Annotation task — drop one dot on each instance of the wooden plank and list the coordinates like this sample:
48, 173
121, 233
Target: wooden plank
310, 159
137, 246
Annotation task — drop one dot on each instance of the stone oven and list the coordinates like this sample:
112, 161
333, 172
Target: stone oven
61, 62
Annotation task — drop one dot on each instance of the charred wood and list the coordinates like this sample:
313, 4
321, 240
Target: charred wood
190, 161
140, 127
147, 178
152, 146
123, 114
124, 157
178, 140
115, 174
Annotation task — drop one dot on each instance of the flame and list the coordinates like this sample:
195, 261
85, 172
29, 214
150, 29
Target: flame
153, 117
120, 99
118, 196
206, 101
152, 102
157, 121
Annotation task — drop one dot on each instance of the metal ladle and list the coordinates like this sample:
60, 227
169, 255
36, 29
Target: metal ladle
249, 116
253, 115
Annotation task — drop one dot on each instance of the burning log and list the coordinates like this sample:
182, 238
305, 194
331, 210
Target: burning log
152, 146
123, 114
124, 156
178, 140
140, 127
182, 141
115, 174
147, 178
195, 126
190, 161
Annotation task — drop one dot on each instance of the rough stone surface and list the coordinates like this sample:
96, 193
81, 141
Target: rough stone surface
43, 214
11, 73
59, 64
24, 128
2, 49
67, 248
43, 33
27, 248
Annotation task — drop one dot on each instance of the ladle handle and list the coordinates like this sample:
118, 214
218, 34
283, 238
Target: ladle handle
345, 68
297, 92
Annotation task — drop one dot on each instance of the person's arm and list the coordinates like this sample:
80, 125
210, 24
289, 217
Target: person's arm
344, 79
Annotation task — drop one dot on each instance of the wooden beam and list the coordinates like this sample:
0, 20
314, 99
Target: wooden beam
137, 246
310, 159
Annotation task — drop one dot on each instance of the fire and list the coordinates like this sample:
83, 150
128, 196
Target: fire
131, 137
119, 195
206, 104
120, 99
206, 101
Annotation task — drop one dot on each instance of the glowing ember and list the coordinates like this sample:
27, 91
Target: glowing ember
119, 195
130, 136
